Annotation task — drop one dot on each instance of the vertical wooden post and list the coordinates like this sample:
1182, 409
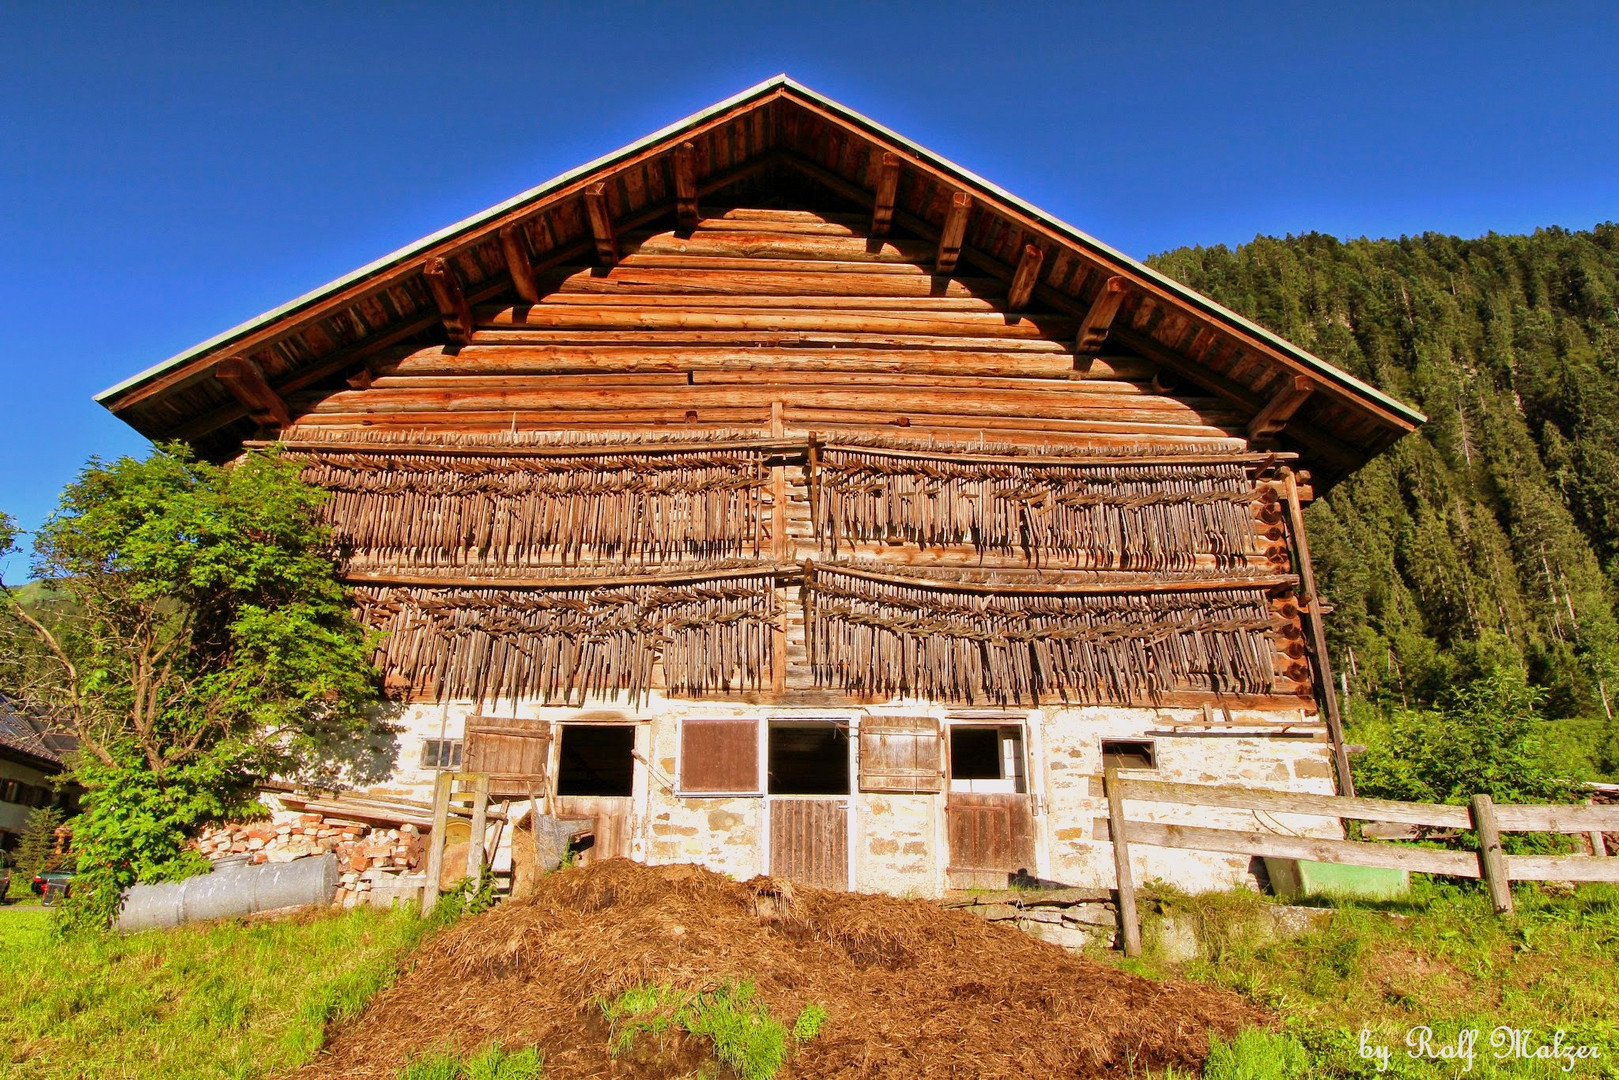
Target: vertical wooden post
435, 843
1129, 924
780, 548
480, 821
1491, 863
1318, 636
1599, 847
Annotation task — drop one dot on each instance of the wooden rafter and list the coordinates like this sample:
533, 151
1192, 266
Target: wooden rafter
451, 300
1271, 419
246, 382
1024, 278
1099, 319
953, 232
518, 263
684, 163
882, 209
601, 224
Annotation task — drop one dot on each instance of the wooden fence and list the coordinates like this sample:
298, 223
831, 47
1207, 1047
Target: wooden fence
1483, 816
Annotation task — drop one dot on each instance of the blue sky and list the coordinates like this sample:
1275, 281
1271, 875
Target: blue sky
167, 173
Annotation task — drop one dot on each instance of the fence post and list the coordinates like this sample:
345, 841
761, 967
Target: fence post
435, 842
480, 811
1129, 925
1491, 863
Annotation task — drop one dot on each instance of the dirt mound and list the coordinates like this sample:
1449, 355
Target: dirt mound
911, 989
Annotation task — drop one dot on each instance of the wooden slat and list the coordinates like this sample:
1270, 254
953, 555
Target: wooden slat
1294, 802
901, 754
1564, 868
756, 248
809, 842
1352, 853
1558, 819
986, 324
760, 278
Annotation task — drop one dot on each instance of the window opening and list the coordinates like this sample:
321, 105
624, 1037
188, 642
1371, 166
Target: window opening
441, 753
808, 758
986, 759
596, 759
1129, 754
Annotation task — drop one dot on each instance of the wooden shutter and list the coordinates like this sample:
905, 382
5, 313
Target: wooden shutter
719, 756
515, 753
901, 754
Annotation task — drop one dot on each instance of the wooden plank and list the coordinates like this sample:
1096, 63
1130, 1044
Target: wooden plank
901, 754
1565, 868
494, 450
480, 821
1557, 819
1326, 687
1490, 859
719, 756
1129, 922
601, 224
1025, 278
760, 278
454, 310
971, 341
1098, 320
882, 203
989, 832
953, 233
246, 382
760, 250
683, 164
984, 324
1110, 588
443, 783
1294, 802
1349, 852
575, 581
1271, 419
518, 265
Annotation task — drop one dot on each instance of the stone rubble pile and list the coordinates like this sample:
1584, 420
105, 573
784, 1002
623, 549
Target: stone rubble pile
371, 859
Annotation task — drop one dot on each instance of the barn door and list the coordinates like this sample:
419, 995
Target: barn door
988, 816
809, 841
515, 753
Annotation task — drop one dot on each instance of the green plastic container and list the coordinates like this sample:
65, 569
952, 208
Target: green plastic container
1293, 879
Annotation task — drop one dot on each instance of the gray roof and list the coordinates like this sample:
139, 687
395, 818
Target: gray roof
32, 736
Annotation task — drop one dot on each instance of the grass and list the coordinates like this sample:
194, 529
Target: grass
737, 1024
1439, 960
490, 1063
228, 999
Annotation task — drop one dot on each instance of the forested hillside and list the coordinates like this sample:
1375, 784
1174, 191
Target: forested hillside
1492, 535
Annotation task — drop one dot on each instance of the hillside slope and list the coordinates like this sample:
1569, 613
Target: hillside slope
1493, 534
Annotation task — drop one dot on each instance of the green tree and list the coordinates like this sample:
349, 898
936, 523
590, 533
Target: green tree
201, 641
35, 847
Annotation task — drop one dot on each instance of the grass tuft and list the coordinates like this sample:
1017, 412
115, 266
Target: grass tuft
735, 1022
490, 1063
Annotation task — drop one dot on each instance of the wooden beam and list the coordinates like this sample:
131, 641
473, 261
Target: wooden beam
518, 264
601, 224
1099, 319
954, 231
246, 382
1492, 867
1129, 922
882, 209
1311, 608
451, 299
1024, 278
1271, 419
684, 164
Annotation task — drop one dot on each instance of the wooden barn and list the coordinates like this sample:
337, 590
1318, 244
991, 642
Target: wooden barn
789, 499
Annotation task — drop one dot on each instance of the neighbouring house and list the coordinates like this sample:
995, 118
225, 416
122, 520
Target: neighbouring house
788, 499
31, 757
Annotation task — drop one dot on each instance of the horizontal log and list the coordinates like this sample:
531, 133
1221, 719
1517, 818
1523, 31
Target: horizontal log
816, 226
585, 359
560, 420
1348, 852
967, 401
693, 262
966, 556
1291, 802
1258, 460
470, 383
769, 245
1068, 587
427, 447
988, 324
1557, 819
913, 306
755, 279
819, 418
811, 338
1565, 868
567, 581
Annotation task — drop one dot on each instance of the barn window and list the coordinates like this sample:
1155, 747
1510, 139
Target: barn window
596, 759
719, 757
441, 753
986, 760
900, 754
809, 758
1129, 754
515, 753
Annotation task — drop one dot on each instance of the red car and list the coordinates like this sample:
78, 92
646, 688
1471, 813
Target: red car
52, 885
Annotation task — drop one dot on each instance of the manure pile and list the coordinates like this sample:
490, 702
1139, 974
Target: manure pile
911, 989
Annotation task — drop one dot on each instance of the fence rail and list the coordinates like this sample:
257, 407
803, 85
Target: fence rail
1482, 815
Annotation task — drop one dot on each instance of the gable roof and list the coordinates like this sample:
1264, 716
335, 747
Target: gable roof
319, 337
24, 735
